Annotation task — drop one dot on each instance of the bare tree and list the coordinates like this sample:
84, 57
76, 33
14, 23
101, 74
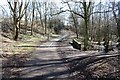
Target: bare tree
85, 9
39, 6
74, 19
45, 16
117, 17
33, 16
99, 30
26, 21
17, 18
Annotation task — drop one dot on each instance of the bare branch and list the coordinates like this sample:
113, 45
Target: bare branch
100, 12
68, 11
89, 5
81, 9
20, 7
23, 12
60, 12
76, 13
10, 6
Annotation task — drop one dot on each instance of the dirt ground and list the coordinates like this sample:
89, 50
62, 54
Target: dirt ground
96, 66
88, 65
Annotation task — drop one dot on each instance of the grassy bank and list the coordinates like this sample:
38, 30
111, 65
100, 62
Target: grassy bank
18, 47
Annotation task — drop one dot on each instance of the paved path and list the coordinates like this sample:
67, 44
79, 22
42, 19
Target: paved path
45, 62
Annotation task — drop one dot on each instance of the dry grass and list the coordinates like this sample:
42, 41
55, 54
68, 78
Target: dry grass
11, 46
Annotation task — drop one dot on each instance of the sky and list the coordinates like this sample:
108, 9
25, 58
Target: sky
3, 3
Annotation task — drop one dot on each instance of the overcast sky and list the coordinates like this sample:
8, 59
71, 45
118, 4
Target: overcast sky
4, 3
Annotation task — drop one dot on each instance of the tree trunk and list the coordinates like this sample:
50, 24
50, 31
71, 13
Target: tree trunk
33, 4
45, 17
16, 33
15, 22
16, 17
74, 20
99, 29
45, 24
118, 21
86, 19
40, 14
118, 27
75, 24
26, 20
86, 35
